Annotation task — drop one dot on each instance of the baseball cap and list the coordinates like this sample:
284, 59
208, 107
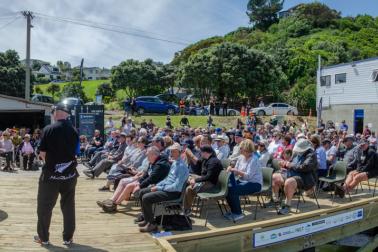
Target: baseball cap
62, 107
238, 133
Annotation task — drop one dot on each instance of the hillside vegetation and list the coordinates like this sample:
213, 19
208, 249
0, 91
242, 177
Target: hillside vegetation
294, 43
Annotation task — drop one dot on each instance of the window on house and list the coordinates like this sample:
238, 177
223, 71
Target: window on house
375, 76
325, 81
340, 78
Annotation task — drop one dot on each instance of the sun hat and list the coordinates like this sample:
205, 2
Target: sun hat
302, 145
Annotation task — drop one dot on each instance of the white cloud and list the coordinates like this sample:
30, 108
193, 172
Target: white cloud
178, 20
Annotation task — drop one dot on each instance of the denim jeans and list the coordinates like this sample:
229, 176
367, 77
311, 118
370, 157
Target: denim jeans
238, 188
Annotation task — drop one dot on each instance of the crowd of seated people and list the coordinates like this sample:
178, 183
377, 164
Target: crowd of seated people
19, 148
151, 164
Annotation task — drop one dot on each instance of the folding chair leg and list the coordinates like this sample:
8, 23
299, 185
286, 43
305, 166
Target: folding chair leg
375, 185
316, 199
257, 202
206, 213
220, 207
299, 200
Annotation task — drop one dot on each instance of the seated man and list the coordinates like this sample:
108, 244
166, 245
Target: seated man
297, 174
96, 143
111, 145
211, 167
223, 150
367, 167
158, 169
106, 163
169, 188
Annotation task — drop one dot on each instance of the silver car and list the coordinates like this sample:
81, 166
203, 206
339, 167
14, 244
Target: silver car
275, 109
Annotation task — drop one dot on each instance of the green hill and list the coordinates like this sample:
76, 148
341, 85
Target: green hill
90, 88
295, 43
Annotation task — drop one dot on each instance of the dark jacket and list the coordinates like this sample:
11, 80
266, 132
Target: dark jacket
156, 172
210, 170
306, 168
368, 162
118, 153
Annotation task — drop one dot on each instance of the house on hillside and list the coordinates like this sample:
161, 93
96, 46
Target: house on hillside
49, 71
349, 92
96, 73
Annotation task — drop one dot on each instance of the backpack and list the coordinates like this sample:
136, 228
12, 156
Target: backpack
175, 222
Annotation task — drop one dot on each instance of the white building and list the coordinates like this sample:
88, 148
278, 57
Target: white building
96, 73
49, 71
349, 92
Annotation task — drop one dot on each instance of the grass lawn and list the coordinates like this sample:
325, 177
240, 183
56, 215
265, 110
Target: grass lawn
201, 121
90, 88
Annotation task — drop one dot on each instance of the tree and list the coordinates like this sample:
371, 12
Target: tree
76, 74
12, 74
317, 14
38, 90
263, 13
53, 89
138, 77
232, 70
106, 90
74, 90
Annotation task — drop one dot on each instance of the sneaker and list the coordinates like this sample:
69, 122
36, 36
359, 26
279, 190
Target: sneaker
109, 208
236, 217
68, 243
140, 218
86, 164
39, 241
284, 210
228, 215
104, 189
89, 173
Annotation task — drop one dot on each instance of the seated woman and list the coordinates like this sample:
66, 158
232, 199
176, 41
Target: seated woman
296, 174
246, 178
367, 167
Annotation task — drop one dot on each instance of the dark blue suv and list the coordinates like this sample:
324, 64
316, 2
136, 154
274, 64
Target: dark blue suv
152, 104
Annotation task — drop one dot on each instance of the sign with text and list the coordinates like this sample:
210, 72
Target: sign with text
306, 228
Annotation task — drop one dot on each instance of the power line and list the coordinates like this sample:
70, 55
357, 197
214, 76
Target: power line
9, 23
112, 30
104, 24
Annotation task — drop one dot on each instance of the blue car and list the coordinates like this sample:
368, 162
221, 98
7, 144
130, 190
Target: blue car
152, 104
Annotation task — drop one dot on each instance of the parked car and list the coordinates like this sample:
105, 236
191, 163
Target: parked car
196, 110
42, 98
72, 101
230, 111
277, 108
170, 98
152, 104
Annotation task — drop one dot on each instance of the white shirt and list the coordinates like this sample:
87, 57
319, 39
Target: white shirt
251, 167
223, 152
273, 146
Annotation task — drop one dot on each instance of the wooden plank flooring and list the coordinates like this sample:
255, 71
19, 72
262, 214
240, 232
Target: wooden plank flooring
95, 231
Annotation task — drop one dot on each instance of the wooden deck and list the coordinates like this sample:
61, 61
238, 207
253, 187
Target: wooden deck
97, 231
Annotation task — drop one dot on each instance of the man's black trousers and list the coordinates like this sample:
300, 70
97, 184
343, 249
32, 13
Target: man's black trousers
48, 193
149, 198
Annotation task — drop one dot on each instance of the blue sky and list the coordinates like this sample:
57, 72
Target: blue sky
175, 20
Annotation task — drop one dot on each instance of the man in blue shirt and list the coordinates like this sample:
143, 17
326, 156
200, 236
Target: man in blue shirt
169, 188
343, 126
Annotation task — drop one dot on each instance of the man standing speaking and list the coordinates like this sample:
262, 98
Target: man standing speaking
58, 148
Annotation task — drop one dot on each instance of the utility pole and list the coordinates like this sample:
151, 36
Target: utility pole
29, 16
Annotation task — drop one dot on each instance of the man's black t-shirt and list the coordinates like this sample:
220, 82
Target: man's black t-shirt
60, 142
